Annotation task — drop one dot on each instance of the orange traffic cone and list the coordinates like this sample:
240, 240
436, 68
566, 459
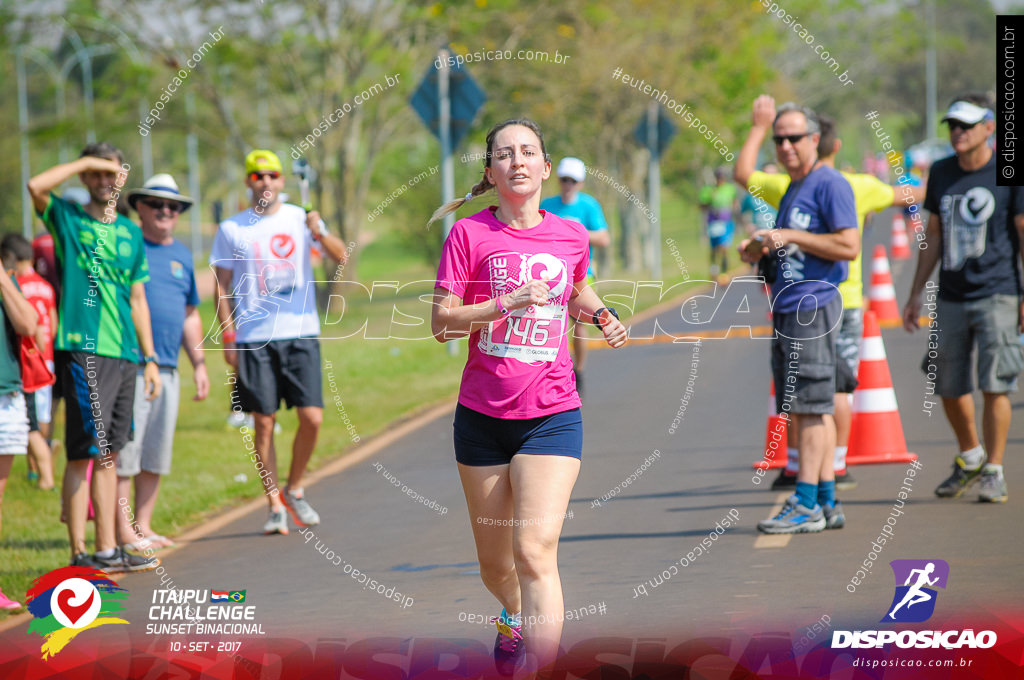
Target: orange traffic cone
900, 241
774, 438
876, 434
882, 295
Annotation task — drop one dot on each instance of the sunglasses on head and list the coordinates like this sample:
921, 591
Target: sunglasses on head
257, 176
793, 139
954, 124
157, 204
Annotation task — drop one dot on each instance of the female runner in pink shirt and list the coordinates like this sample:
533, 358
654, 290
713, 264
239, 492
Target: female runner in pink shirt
509, 278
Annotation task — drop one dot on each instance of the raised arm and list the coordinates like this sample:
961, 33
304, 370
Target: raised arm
333, 245
761, 123
40, 186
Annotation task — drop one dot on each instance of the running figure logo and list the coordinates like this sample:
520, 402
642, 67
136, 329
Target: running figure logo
914, 601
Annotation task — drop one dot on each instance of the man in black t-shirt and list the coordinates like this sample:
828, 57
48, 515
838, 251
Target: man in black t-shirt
976, 228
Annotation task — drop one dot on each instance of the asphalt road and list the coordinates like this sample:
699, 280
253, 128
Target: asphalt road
744, 584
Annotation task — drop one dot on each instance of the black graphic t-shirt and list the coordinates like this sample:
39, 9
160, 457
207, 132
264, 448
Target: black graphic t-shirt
980, 245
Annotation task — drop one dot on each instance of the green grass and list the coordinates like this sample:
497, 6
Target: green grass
378, 382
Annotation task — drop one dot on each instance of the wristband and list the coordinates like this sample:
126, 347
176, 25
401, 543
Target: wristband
228, 336
151, 359
501, 307
597, 315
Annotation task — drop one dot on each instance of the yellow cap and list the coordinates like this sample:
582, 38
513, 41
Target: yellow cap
262, 160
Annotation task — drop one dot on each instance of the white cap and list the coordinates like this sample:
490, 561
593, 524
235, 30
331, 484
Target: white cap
160, 186
572, 168
967, 112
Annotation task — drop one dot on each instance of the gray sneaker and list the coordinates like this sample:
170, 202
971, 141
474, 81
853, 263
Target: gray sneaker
277, 522
956, 483
993, 487
794, 519
301, 511
834, 517
122, 562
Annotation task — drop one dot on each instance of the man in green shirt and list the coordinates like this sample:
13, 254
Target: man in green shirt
104, 323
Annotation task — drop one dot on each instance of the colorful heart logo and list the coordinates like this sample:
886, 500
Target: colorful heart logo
75, 603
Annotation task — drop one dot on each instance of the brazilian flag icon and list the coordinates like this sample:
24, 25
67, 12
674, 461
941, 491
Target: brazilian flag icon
237, 596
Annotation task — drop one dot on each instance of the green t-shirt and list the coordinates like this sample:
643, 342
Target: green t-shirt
10, 355
720, 197
99, 263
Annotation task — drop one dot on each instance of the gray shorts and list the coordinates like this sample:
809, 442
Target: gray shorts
848, 340
151, 448
804, 359
991, 324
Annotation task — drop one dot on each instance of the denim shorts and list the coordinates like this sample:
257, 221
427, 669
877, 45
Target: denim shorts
484, 440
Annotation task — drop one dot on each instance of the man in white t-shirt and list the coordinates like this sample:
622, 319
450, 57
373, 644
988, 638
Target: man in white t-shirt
266, 303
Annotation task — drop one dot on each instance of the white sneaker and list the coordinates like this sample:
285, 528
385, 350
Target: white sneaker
277, 522
236, 419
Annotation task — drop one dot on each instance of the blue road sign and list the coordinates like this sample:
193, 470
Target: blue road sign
666, 131
466, 99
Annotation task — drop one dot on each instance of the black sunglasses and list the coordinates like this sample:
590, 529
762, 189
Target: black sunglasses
157, 204
793, 139
954, 124
567, 179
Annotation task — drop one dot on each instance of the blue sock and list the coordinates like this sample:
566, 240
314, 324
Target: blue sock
827, 493
806, 493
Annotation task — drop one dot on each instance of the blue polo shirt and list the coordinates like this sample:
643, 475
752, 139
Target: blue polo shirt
171, 286
820, 203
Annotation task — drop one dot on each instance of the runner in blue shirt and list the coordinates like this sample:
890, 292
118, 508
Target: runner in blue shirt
573, 204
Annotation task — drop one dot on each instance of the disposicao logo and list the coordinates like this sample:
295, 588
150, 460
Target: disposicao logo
70, 600
913, 602
917, 577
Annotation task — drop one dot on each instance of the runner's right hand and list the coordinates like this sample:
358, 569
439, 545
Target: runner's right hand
98, 164
536, 292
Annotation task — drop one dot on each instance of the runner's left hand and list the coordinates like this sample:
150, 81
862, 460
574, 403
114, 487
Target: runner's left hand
614, 332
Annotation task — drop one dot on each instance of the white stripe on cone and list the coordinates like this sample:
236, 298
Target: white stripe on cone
880, 265
878, 400
882, 291
872, 349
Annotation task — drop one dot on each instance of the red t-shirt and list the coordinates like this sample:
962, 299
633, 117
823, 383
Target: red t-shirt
40, 294
45, 260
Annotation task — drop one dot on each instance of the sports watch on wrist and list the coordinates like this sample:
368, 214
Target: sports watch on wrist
597, 315
151, 359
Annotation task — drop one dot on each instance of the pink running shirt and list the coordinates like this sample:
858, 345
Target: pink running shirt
519, 366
